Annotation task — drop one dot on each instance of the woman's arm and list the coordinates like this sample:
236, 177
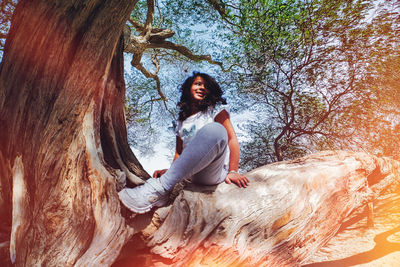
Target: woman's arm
178, 147
233, 175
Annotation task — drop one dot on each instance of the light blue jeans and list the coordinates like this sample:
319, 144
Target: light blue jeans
202, 159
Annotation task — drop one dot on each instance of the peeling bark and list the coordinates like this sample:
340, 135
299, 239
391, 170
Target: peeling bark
19, 204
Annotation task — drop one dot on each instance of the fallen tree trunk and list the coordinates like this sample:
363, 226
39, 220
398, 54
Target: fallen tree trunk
287, 213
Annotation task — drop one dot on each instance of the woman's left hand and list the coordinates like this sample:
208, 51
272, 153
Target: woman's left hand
238, 179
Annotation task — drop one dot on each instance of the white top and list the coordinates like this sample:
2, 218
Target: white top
187, 129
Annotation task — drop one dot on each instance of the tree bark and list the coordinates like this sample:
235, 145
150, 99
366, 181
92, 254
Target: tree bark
278, 149
289, 211
63, 145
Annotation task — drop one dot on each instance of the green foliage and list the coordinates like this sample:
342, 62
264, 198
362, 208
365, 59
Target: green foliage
306, 63
319, 74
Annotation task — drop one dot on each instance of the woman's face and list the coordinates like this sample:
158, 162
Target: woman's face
198, 91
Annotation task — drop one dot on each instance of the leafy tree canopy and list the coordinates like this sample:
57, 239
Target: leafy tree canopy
305, 66
319, 74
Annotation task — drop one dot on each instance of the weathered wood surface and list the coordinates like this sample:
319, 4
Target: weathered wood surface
358, 245
289, 211
63, 147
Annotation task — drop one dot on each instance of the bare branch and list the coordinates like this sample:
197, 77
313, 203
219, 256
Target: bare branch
219, 6
154, 76
159, 13
156, 63
164, 33
186, 52
136, 25
149, 19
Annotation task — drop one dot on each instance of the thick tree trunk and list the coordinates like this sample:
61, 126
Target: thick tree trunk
289, 211
63, 147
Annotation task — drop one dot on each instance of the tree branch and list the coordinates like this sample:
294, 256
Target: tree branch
149, 19
164, 33
186, 52
219, 6
155, 77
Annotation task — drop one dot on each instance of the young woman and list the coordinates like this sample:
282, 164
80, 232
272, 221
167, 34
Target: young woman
207, 149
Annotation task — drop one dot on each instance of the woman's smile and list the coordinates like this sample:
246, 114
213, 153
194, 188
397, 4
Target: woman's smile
198, 90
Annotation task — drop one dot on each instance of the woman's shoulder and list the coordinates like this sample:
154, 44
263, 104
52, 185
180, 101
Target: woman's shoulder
215, 110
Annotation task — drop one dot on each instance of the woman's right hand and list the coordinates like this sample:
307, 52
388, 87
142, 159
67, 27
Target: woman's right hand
158, 173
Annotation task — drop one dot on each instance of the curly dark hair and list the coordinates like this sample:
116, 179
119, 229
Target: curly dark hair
214, 97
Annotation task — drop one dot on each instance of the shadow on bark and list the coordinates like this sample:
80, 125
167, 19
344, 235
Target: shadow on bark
382, 248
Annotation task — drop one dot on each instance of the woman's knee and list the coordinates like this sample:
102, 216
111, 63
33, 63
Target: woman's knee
215, 131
